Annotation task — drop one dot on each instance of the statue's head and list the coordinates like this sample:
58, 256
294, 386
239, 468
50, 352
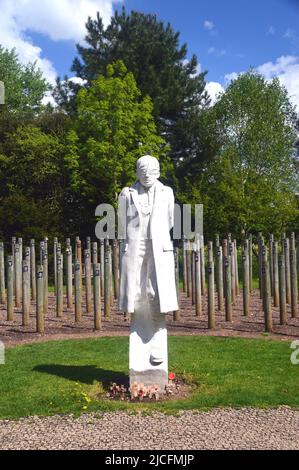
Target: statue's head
148, 170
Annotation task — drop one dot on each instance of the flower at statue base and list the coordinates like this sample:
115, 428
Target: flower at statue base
114, 389
168, 390
153, 392
142, 392
134, 390
171, 377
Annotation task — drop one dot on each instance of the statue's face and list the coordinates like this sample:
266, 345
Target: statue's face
148, 171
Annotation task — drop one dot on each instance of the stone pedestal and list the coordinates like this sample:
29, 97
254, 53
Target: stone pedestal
148, 356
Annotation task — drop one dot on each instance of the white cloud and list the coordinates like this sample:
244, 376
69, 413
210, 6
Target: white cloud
214, 89
218, 52
271, 30
77, 80
209, 25
56, 19
290, 34
229, 77
286, 69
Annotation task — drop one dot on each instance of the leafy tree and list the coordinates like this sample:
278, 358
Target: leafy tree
25, 86
251, 185
151, 51
113, 127
32, 179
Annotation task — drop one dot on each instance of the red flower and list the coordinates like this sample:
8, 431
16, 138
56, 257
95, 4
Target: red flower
171, 375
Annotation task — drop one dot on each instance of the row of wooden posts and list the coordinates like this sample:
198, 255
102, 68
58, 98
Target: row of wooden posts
24, 280
278, 267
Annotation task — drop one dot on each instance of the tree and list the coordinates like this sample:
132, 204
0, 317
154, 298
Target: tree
251, 185
32, 179
112, 128
25, 86
150, 50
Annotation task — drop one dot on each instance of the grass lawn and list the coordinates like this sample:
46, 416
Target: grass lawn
59, 376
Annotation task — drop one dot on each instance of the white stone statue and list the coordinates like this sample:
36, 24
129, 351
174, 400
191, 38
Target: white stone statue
147, 284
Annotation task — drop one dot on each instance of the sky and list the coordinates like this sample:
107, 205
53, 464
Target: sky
228, 36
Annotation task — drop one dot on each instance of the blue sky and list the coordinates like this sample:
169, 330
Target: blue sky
227, 36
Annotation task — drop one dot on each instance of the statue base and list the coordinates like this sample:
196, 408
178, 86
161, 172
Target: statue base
148, 355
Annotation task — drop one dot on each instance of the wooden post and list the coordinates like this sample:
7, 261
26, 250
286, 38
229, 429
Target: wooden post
250, 262
69, 276
264, 257
59, 295
26, 293
107, 285
286, 243
245, 275
275, 275
188, 268
40, 321
115, 268
97, 296
32, 269
202, 266
13, 251
211, 305
228, 288
18, 277
41, 251
102, 263
10, 284
95, 254
282, 291
55, 243
193, 273
28, 259
45, 282
2, 275
88, 244
111, 275
79, 257
260, 244
293, 278
236, 267
224, 255
78, 292
267, 295
176, 314
271, 262
87, 267
184, 266
219, 277
232, 272
198, 301
20, 243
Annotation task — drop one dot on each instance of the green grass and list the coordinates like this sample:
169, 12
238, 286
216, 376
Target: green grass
52, 377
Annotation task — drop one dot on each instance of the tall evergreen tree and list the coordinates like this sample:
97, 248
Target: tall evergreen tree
151, 50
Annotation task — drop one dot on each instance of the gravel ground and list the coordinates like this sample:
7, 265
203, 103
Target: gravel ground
246, 428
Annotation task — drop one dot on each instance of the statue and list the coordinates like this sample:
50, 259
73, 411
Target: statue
147, 280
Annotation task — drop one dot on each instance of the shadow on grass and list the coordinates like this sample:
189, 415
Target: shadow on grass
84, 374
